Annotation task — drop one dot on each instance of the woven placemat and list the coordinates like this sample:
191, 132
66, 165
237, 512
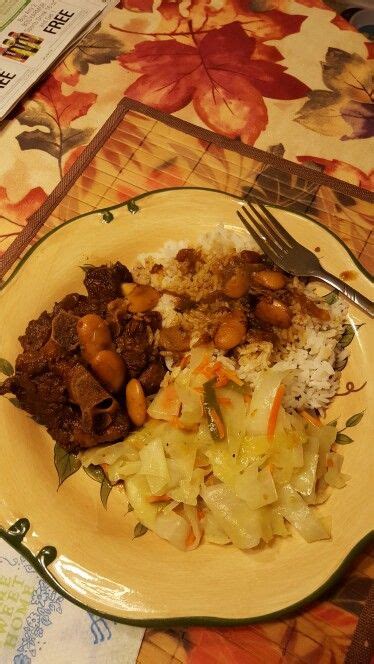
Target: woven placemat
140, 149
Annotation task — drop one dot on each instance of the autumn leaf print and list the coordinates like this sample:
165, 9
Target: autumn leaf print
137, 5
342, 171
96, 48
13, 214
346, 109
55, 112
264, 24
277, 187
218, 73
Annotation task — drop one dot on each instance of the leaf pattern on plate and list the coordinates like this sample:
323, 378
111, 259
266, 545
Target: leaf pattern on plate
140, 530
342, 439
352, 421
97, 474
347, 336
6, 367
15, 402
331, 298
66, 463
105, 490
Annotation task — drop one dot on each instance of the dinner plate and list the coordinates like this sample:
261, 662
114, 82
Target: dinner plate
89, 553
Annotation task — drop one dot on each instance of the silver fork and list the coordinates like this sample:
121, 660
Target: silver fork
291, 256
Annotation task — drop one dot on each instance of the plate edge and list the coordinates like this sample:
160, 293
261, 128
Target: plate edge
128, 203
47, 555
41, 561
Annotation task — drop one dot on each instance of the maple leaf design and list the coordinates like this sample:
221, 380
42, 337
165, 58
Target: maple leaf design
137, 5
258, 18
370, 50
266, 5
55, 112
96, 48
342, 171
348, 104
220, 72
262, 22
13, 214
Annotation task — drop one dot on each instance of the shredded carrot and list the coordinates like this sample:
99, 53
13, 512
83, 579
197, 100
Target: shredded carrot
199, 390
218, 422
224, 401
208, 372
224, 375
204, 363
275, 410
221, 381
219, 372
311, 418
200, 514
190, 539
158, 499
184, 361
247, 398
231, 375
176, 422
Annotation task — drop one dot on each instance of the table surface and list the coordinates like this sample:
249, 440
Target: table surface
47, 135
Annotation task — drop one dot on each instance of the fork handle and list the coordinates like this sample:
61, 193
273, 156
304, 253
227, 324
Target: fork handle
353, 295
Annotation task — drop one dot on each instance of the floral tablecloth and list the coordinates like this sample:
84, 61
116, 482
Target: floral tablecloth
291, 79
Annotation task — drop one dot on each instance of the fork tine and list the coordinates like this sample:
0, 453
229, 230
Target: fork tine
261, 243
271, 241
281, 230
273, 232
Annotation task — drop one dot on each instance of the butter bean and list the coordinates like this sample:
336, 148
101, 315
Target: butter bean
237, 284
93, 334
273, 312
269, 279
231, 331
174, 339
142, 298
110, 368
135, 402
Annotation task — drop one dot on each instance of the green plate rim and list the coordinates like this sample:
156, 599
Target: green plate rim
145, 194
209, 621
48, 577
